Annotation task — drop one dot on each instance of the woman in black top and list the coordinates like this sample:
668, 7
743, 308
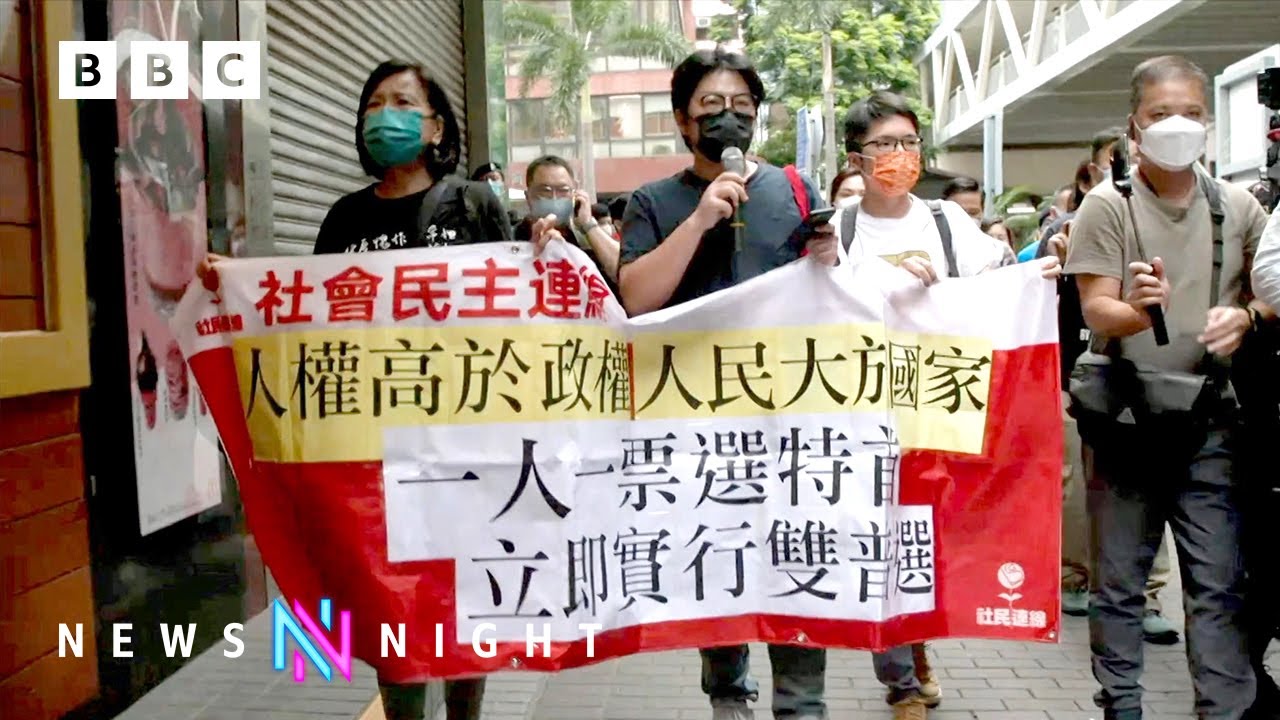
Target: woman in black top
408, 138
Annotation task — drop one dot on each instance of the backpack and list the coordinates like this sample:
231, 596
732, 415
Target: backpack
849, 220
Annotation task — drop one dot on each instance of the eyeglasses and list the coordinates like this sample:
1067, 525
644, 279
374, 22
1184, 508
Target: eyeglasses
881, 146
547, 191
714, 103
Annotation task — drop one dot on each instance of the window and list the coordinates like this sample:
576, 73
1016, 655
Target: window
658, 119
525, 124
628, 120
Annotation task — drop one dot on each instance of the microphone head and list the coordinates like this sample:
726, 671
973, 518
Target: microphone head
733, 160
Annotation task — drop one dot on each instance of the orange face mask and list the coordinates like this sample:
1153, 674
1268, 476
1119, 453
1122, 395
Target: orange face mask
897, 172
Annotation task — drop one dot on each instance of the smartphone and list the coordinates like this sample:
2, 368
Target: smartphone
819, 217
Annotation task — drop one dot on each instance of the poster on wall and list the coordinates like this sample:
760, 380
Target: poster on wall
161, 172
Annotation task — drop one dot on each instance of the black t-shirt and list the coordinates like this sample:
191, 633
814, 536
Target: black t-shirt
770, 215
361, 222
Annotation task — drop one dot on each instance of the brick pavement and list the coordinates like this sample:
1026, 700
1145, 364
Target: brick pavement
982, 680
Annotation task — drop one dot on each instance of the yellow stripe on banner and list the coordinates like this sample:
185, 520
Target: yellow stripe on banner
326, 396
937, 386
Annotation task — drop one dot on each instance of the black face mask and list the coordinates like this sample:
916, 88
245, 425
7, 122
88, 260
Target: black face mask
724, 129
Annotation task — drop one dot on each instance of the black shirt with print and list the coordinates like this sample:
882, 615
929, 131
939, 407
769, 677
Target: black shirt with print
362, 222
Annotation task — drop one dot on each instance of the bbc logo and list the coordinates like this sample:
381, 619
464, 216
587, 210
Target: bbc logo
159, 69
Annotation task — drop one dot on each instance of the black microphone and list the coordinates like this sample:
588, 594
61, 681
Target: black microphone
735, 162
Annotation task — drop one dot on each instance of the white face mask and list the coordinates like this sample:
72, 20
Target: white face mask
848, 200
1174, 143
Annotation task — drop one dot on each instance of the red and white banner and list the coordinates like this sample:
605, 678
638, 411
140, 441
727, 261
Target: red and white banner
479, 445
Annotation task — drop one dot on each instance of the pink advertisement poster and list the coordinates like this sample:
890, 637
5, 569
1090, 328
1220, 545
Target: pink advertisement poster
161, 173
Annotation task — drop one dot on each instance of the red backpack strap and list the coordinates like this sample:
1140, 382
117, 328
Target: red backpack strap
798, 189
801, 195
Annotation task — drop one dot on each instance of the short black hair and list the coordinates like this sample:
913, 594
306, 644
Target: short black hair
691, 71
1104, 140
600, 211
1162, 69
864, 113
961, 184
544, 161
442, 159
485, 169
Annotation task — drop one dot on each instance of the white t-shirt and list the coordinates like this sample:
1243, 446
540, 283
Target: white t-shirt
916, 235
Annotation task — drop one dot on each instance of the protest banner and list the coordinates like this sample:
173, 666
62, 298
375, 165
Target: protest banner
478, 444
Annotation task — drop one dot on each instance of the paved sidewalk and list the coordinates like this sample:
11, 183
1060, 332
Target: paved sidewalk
981, 680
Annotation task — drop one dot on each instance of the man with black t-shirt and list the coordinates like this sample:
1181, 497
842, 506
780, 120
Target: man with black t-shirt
677, 245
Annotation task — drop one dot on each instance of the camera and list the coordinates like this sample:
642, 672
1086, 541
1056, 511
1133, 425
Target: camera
1269, 88
1269, 96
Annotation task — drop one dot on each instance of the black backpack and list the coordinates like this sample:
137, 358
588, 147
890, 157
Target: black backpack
849, 222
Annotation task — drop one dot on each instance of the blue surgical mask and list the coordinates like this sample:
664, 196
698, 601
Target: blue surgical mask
562, 208
393, 136
498, 188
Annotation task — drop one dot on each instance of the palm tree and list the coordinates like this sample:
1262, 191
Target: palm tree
809, 16
562, 50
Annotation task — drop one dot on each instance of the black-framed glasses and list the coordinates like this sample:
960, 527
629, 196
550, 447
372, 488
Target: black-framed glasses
714, 103
881, 146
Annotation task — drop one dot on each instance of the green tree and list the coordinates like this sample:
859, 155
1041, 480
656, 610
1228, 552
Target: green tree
811, 17
873, 44
561, 49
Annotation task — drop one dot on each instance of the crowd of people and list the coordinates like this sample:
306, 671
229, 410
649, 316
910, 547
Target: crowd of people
1157, 233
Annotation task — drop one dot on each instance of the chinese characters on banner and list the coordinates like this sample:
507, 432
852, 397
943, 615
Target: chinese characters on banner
479, 440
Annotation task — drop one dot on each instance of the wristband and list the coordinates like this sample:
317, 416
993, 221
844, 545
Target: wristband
588, 227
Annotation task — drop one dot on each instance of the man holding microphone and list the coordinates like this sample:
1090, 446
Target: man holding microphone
706, 229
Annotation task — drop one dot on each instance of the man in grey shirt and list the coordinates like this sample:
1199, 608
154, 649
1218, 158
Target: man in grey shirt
1184, 472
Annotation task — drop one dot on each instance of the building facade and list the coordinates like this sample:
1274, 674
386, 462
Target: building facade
634, 135
1019, 88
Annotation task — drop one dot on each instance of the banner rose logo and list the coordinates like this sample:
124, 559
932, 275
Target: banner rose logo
1011, 577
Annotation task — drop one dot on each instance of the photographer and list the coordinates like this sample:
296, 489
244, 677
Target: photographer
1167, 251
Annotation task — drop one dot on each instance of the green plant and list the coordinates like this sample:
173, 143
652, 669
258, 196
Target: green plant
562, 49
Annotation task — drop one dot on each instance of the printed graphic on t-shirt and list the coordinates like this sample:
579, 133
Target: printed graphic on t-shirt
898, 259
381, 242
435, 236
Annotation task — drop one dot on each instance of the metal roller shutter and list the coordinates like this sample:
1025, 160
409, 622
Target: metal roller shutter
319, 53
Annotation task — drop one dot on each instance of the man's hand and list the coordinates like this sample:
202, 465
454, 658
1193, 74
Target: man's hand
921, 268
1061, 242
720, 199
1050, 268
1225, 330
543, 232
207, 273
821, 245
1150, 287
582, 205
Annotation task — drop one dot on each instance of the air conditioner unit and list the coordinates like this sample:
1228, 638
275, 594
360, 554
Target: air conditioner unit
702, 22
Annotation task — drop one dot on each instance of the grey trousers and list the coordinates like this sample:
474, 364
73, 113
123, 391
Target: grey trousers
896, 669
1132, 496
799, 679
